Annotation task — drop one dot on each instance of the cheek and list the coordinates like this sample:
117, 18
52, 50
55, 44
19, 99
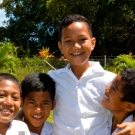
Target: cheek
47, 109
27, 108
18, 105
115, 101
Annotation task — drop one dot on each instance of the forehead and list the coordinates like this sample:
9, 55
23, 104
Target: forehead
76, 27
117, 82
38, 95
9, 86
118, 78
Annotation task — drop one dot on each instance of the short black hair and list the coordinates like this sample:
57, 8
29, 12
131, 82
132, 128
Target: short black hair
7, 76
74, 18
128, 89
38, 82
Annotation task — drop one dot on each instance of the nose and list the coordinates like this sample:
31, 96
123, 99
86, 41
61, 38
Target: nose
8, 100
76, 45
107, 88
38, 109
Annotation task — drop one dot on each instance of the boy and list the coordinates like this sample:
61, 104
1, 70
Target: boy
10, 102
38, 92
120, 99
80, 85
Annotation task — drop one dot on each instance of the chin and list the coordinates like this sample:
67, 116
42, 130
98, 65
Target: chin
104, 105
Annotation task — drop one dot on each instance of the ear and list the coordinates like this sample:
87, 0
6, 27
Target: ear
93, 40
60, 47
53, 104
130, 107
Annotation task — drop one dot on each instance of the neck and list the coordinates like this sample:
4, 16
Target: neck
118, 118
79, 70
4, 127
33, 129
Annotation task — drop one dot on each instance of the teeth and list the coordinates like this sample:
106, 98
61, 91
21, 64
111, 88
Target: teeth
6, 110
77, 53
106, 97
37, 117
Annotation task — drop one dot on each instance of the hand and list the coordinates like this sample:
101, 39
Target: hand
128, 128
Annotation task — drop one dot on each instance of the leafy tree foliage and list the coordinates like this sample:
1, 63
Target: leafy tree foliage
34, 24
113, 22
29, 25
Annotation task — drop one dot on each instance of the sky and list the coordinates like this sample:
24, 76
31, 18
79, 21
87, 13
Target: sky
2, 16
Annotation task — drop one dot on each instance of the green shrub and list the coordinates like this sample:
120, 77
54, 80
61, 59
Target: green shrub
8, 57
123, 61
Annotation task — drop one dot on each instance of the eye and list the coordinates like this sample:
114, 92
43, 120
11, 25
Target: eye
113, 88
15, 98
45, 103
83, 39
67, 41
31, 102
2, 95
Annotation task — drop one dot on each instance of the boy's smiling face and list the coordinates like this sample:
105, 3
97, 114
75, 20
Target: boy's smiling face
36, 107
76, 43
10, 100
112, 100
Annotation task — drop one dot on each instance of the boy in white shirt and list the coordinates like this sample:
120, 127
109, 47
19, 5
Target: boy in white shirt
38, 92
10, 102
80, 85
120, 99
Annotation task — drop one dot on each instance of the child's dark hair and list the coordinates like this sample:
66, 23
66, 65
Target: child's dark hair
128, 89
6, 76
74, 18
38, 82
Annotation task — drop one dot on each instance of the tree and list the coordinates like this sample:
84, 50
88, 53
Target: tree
34, 24
113, 22
29, 26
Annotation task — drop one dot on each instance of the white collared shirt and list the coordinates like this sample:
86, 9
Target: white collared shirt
18, 128
128, 119
78, 109
47, 129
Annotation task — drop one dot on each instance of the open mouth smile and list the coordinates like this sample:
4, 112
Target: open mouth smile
6, 112
77, 54
36, 117
106, 97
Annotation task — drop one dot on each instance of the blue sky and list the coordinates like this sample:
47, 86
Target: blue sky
2, 16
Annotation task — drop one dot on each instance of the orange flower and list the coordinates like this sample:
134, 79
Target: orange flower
45, 53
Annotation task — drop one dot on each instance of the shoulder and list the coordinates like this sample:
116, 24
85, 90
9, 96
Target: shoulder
58, 72
98, 69
48, 127
108, 73
19, 124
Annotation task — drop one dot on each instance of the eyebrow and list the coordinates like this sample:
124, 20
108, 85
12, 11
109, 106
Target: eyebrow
42, 101
66, 37
2, 90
